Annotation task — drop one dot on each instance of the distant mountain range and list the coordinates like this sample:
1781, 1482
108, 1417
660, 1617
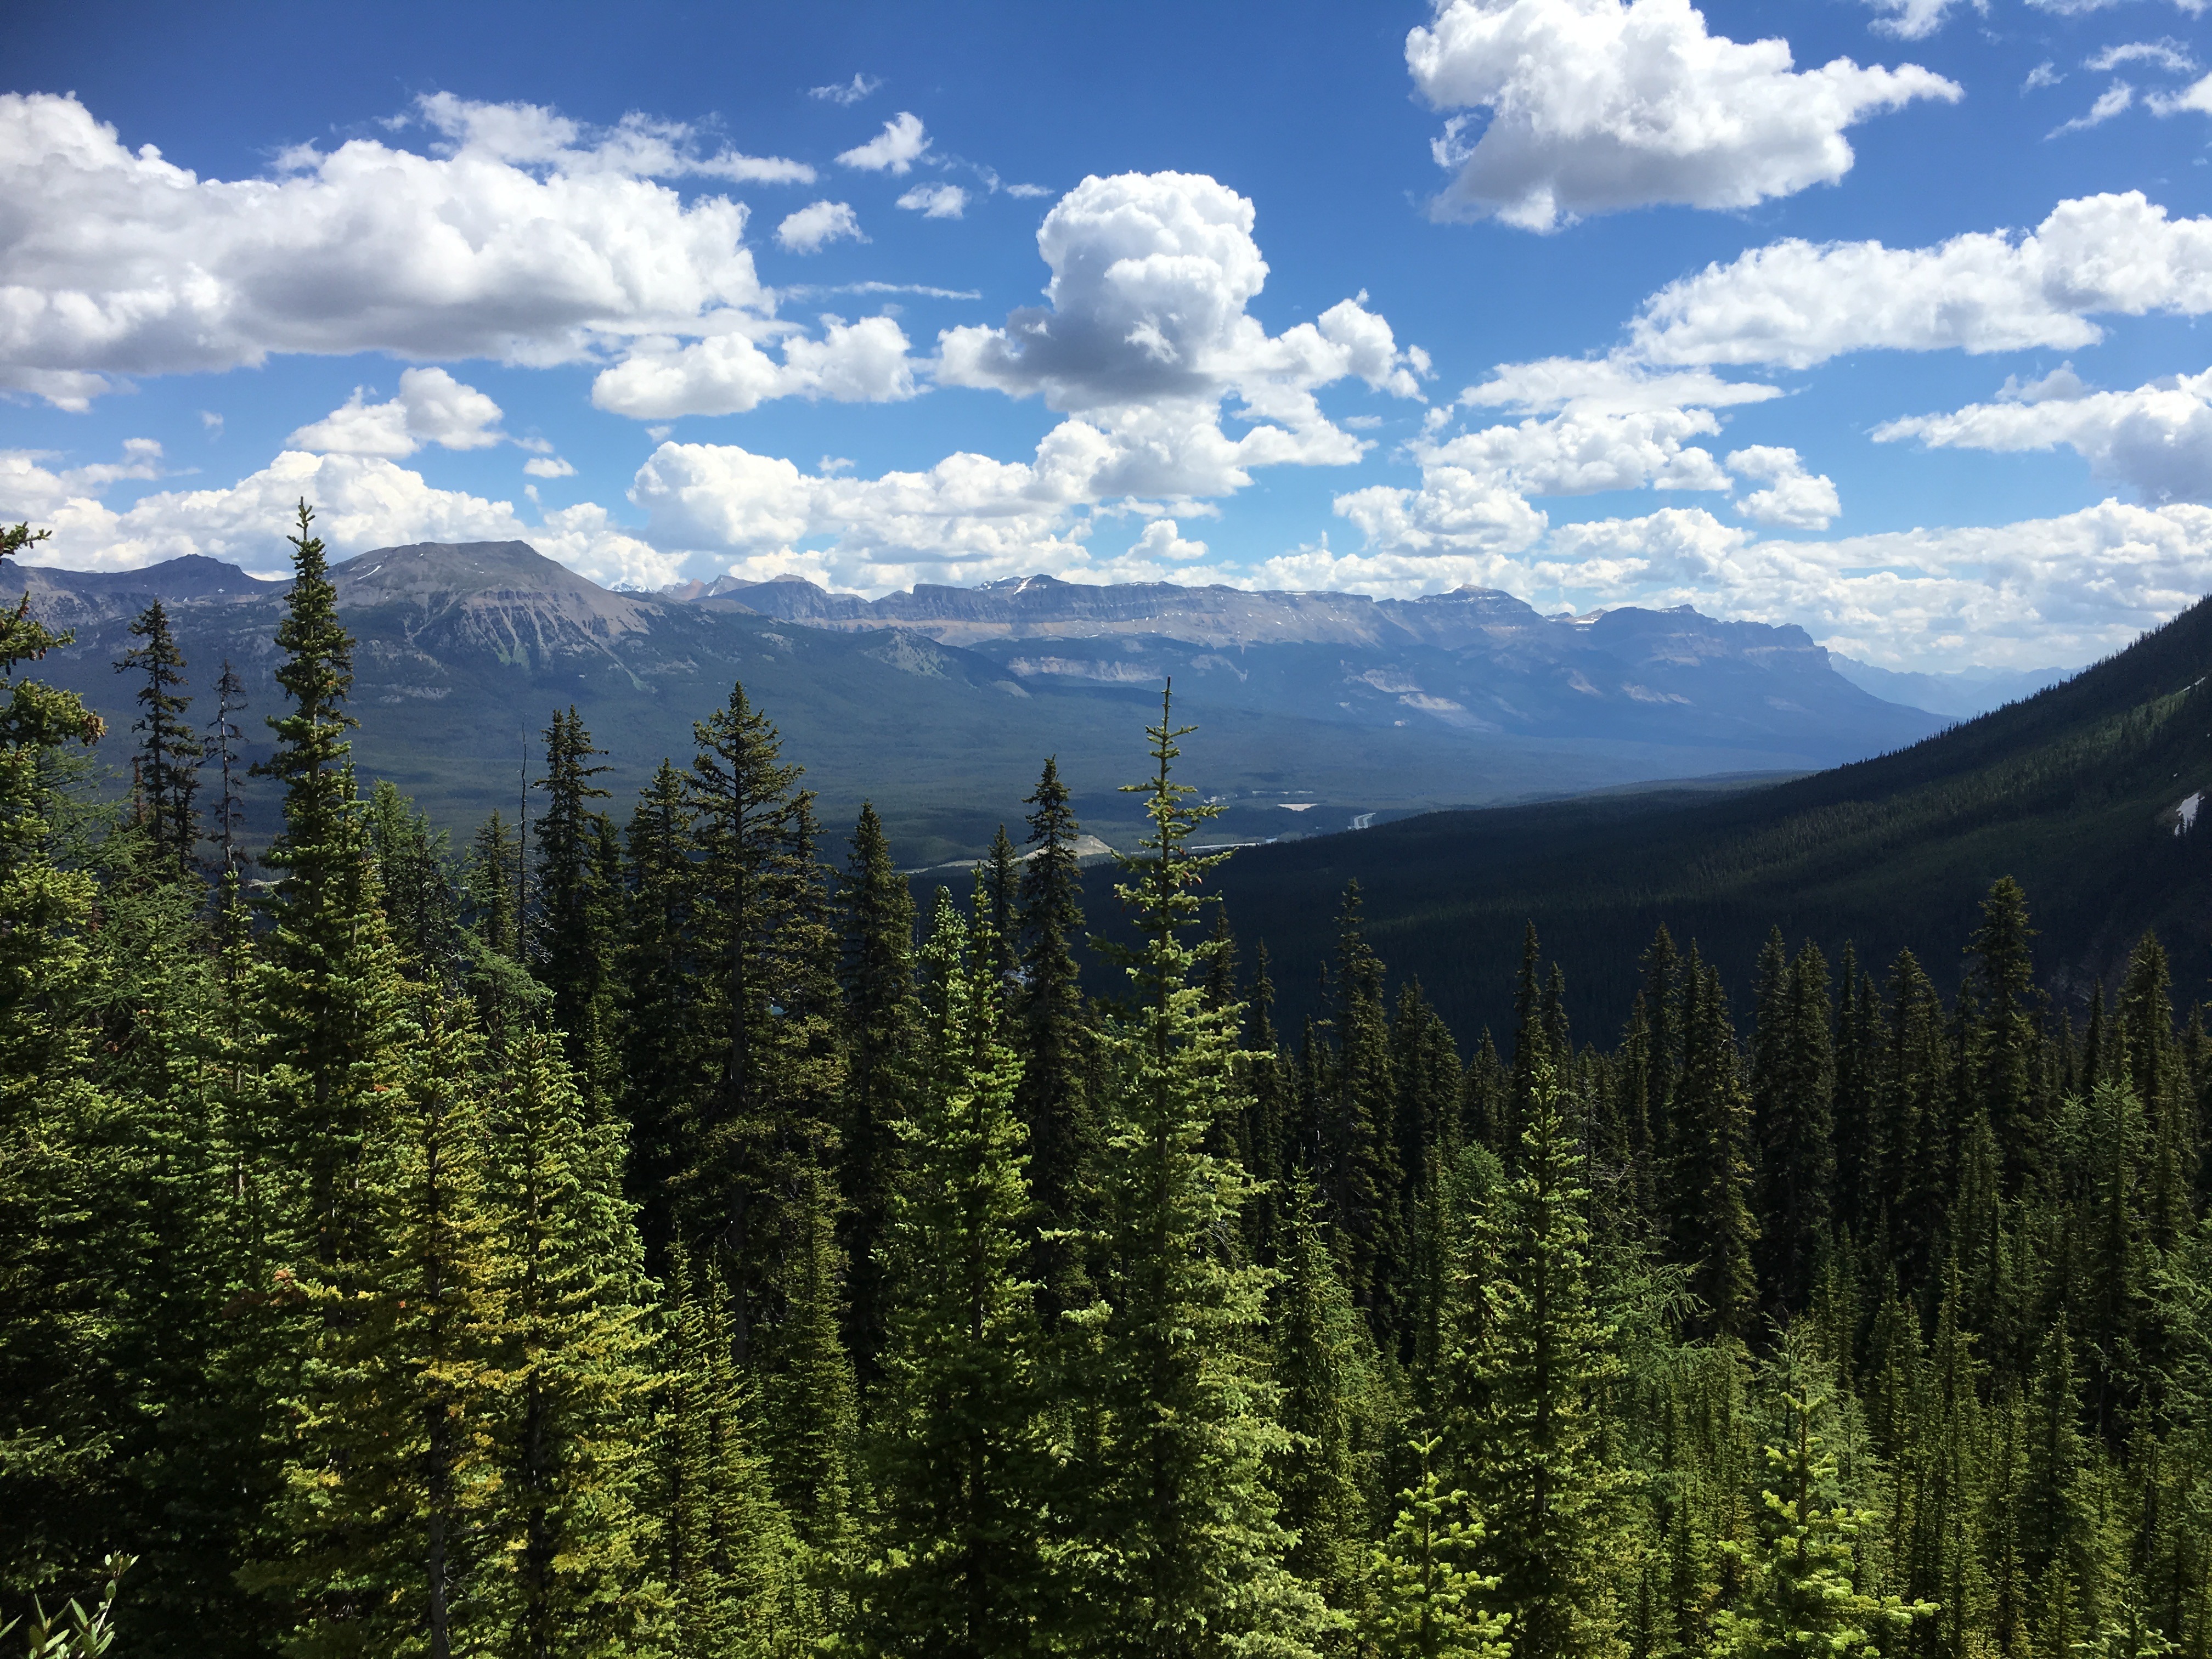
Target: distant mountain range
2088, 793
941, 703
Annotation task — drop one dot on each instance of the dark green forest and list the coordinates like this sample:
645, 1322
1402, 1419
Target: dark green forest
644, 1229
2074, 792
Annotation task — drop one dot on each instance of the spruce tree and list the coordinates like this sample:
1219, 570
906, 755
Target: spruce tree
960, 1563
1427, 1601
880, 1014
2004, 1047
170, 752
390, 1471
1324, 1362
1364, 1181
1527, 1381
1792, 1094
1052, 1039
665, 1038
752, 1127
575, 947
57, 1323
1715, 1229
1181, 1551
1801, 1595
728, 1557
572, 1355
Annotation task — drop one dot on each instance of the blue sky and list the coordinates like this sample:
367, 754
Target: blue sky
1877, 316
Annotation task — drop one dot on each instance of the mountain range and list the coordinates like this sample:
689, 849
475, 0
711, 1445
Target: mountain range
1318, 710
2088, 793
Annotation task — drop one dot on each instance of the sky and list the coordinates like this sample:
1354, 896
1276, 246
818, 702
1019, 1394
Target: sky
1879, 317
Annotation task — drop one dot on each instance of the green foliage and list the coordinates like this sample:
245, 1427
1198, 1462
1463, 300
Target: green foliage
1800, 1594
1427, 1601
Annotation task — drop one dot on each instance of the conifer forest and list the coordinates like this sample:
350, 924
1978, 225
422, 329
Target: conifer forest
645, 1229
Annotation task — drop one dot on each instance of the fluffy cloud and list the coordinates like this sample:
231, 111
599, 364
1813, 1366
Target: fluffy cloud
894, 149
1581, 452
864, 361
548, 467
1147, 333
1454, 512
1797, 303
2196, 97
816, 225
2156, 439
529, 240
936, 201
361, 502
1794, 499
1595, 106
1916, 19
432, 407
2066, 589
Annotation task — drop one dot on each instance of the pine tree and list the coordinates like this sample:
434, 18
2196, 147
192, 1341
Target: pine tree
2005, 1046
1792, 1093
56, 1318
756, 1121
575, 948
1323, 1362
1182, 1550
732, 1564
1052, 1038
170, 752
1802, 1596
1715, 1230
1427, 1602
390, 1472
1364, 1182
960, 1563
810, 1417
326, 984
221, 742
1530, 1367
664, 1053
573, 1369
880, 1017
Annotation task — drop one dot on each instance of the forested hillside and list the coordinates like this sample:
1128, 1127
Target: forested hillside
661, 1240
2085, 793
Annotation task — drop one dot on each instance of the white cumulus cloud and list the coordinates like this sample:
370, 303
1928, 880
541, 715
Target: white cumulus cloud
432, 408
816, 225
866, 362
1916, 19
1794, 499
1596, 106
361, 502
894, 149
548, 467
2156, 439
1797, 303
936, 201
530, 241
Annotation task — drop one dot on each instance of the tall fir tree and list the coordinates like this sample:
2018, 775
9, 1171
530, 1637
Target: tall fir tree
571, 1352
575, 948
880, 1017
1531, 1364
1364, 1182
1052, 1038
1792, 1104
169, 750
1715, 1230
1181, 1549
961, 1559
1427, 1602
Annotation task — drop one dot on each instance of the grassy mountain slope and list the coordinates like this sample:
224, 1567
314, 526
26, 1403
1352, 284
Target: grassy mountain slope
2074, 792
